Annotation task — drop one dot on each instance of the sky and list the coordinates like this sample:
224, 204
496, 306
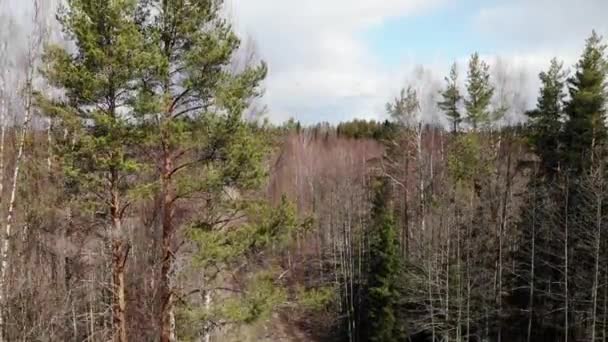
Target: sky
334, 60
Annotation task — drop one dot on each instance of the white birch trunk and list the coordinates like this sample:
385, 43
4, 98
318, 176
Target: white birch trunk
34, 45
207, 333
2, 138
421, 191
3, 111
11, 211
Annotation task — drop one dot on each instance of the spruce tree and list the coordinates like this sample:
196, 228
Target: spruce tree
480, 92
451, 99
97, 79
383, 270
585, 127
546, 120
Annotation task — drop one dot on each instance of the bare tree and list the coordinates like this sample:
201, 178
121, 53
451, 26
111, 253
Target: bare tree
31, 58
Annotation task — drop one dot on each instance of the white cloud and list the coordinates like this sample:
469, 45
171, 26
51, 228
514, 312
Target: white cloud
532, 32
322, 70
319, 68
543, 24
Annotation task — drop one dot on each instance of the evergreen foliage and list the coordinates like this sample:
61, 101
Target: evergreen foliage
585, 126
384, 269
363, 129
451, 98
98, 79
480, 92
545, 121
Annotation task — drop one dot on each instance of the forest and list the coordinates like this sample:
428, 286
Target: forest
144, 196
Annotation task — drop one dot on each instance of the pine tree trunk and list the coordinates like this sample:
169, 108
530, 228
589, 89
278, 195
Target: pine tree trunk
167, 319
597, 263
566, 295
119, 259
532, 270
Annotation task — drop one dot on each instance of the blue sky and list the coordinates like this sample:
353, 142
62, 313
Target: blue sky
417, 37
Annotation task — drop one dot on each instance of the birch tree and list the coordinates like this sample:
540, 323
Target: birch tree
32, 54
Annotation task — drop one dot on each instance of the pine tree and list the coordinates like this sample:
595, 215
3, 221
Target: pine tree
268, 228
451, 98
585, 127
480, 92
545, 121
383, 270
97, 79
190, 108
